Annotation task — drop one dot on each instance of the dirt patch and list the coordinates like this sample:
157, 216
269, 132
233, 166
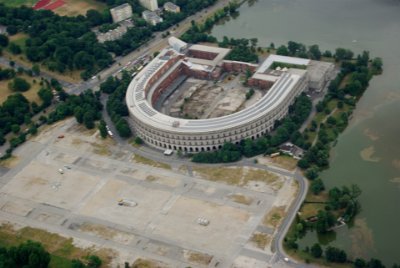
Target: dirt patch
9, 162
79, 7
241, 199
197, 257
107, 233
283, 161
245, 177
261, 240
101, 149
146, 161
142, 263
274, 216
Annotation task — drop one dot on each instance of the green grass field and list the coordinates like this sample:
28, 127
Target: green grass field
16, 3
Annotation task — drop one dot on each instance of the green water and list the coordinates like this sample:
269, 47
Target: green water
368, 152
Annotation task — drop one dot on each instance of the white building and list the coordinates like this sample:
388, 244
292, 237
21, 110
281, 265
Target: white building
151, 17
121, 12
171, 7
149, 4
177, 44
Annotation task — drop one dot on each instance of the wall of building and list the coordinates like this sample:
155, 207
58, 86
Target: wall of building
200, 54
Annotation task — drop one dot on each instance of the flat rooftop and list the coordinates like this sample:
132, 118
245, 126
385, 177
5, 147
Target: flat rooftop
284, 59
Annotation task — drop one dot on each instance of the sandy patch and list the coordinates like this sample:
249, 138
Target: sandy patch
396, 163
372, 135
367, 154
362, 239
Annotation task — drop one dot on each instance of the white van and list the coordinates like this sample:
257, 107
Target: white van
168, 152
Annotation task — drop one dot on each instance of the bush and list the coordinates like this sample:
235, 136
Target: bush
19, 84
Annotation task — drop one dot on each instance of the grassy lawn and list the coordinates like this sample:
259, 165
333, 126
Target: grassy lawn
16, 3
31, 94
61, 249
274, 216
285, 161
79, 7
19, 39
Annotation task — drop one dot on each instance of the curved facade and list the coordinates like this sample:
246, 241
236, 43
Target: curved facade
165, 132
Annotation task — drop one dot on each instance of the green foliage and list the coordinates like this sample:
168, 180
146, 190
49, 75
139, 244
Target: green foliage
317, 186
14, 48
138, 140
28, 254
316, 251
94, 261
282, 50
19, 84
298, 112
242, 50
3, 40
333, 254
325, 221
46, 95
343, 54
102, 129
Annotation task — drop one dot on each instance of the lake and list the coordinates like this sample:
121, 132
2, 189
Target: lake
368, 152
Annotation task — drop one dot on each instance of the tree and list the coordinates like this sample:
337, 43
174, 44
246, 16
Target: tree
103, 129
317, 186
46, 95
315, 53
377, 64
19, 84
35, 69
3, 40
123, 128
282, 50
15, 49
138, 140
77, 264
12, 29
94, 261
333, 254
360, 263
316, 251
88, 119
15, 128
312, 173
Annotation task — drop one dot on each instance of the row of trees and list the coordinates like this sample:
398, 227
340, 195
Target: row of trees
285, 130
116, 107
336, 255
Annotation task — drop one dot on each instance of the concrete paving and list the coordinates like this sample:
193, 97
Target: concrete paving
83, 202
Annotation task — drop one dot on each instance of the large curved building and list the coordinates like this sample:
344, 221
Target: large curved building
165, 132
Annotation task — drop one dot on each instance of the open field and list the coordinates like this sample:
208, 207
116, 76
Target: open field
16, 3
79, 7
62, 249
31, 94
160, 222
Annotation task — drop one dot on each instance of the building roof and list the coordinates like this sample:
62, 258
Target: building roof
284, 59
170, 5
177, 44
141, 108
123, 6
